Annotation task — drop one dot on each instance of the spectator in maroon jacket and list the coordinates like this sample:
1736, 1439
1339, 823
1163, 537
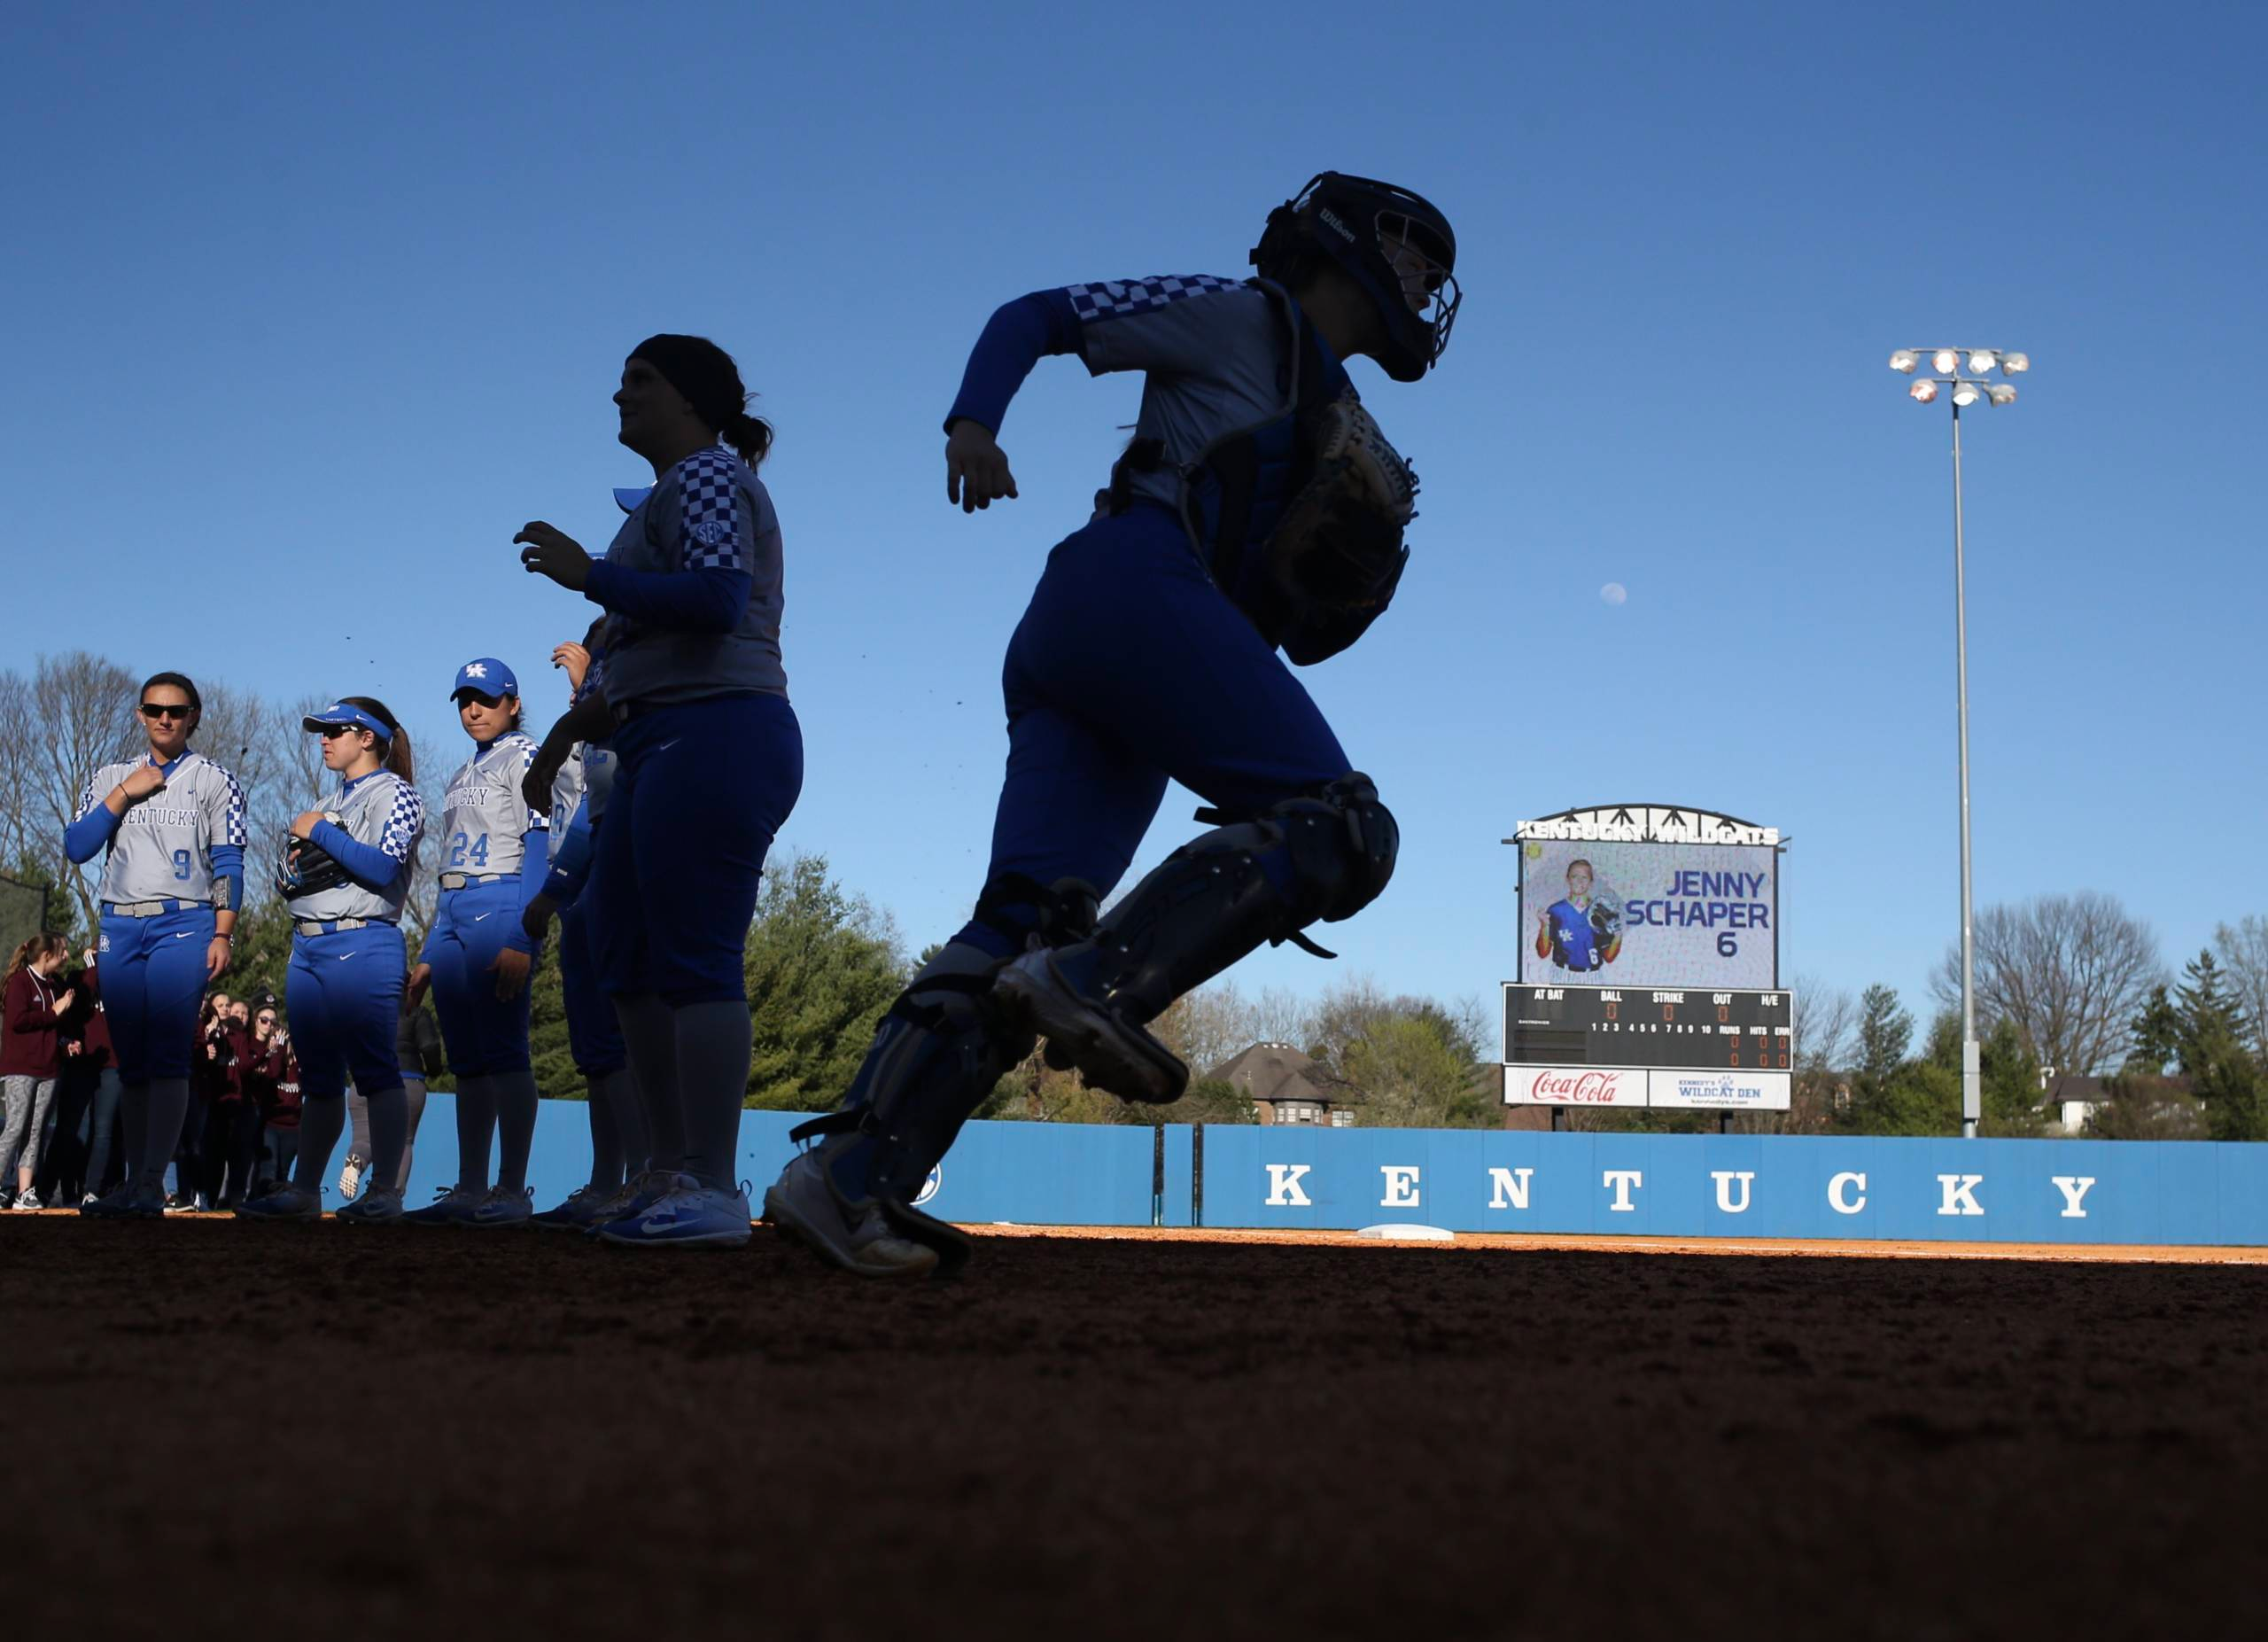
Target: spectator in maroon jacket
267, 1066
273, 1083
209, 1070
33, 1002
86, 1098
232, 1123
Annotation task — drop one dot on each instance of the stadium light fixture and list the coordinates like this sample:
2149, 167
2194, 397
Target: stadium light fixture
1968, 389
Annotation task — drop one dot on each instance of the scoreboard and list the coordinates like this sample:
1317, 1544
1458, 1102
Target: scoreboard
1647, 1027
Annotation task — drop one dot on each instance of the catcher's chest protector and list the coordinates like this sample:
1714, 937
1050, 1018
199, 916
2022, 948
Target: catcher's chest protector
1234, 494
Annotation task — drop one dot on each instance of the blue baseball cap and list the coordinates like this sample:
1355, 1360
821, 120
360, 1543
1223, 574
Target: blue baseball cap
485, 676
344, 715
629, 499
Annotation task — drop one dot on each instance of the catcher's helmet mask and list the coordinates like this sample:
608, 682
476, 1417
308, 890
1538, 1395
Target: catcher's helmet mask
1327, 215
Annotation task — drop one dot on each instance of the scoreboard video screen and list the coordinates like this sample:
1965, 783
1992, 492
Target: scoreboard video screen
1632, 914
1678, 1029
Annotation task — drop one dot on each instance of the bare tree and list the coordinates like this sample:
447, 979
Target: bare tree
2244, 955
2070, 971
82, 718
1824, 1020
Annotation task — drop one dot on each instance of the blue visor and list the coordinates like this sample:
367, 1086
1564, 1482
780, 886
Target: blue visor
340, 714
628, 500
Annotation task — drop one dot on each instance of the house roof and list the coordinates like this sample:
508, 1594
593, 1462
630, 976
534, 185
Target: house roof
1277, 1071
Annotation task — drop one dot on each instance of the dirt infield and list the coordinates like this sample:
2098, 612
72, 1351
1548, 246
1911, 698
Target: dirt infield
1094, 1436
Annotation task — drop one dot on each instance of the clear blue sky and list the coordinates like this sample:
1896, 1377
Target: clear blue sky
308, 314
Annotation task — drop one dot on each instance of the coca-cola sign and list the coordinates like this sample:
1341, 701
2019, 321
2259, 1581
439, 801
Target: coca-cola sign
1573, 1085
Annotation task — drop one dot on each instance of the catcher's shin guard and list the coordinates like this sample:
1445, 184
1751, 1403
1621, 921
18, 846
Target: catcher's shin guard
936, 1055
1322, 856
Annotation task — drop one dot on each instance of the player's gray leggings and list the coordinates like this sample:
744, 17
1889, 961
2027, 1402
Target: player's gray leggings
29, 1099
358, 1114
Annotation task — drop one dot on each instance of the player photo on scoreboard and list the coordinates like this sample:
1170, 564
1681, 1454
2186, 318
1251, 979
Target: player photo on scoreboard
1649, 914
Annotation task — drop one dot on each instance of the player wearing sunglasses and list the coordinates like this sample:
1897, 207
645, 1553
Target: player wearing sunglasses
171, 824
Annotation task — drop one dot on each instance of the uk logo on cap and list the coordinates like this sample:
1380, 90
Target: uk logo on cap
485, 676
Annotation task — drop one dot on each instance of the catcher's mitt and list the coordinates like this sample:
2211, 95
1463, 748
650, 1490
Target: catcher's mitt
1337, 551
306, 868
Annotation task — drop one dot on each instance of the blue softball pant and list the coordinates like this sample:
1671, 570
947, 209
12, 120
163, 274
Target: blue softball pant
1128, 669
701, 788
593, 1031
483, 1034
151, 972
343, 996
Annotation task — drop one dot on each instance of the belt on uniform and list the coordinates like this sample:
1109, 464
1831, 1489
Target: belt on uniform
623, 712
149, 909
331, 926
466, 879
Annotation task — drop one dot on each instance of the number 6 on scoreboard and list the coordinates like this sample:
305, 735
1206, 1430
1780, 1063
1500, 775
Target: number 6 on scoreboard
1727, 947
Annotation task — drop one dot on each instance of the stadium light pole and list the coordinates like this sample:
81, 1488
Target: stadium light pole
1963, 388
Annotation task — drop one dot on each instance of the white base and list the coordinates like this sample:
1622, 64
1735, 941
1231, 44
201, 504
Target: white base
1409, 1234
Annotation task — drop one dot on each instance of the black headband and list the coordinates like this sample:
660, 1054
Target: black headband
699, 369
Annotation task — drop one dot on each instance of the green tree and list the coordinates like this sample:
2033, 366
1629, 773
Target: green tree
1885, 1032
2201, 1030
822, 965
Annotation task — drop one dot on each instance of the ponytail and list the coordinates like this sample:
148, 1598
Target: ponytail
46, 943
397, 759
751, 436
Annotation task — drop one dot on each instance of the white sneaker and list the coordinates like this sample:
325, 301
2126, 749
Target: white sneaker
90, 1198
28, 1203
858, 1237
690, 1216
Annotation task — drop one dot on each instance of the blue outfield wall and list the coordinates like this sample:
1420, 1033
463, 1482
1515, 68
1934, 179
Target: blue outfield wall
1740, 1186
1475, 1181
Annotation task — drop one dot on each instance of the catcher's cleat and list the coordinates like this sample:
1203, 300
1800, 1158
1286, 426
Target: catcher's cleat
860, 1237
1110, 1053
289, 1201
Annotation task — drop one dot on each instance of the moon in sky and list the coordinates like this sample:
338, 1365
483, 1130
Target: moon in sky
1613, 593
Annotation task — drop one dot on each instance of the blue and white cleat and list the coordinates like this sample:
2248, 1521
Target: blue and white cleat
576, 1214
451, 1205
858, 1237
377, 1206
502, 1209
128, 1203
691, 1216
634, 1196
288, 1201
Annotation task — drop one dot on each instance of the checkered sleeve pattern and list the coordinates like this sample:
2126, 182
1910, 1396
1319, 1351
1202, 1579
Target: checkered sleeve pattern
1112, 299
709, 510
405, 825
537, 819
233, 829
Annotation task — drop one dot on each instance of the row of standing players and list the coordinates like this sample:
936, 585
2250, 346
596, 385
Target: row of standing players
1149, 652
